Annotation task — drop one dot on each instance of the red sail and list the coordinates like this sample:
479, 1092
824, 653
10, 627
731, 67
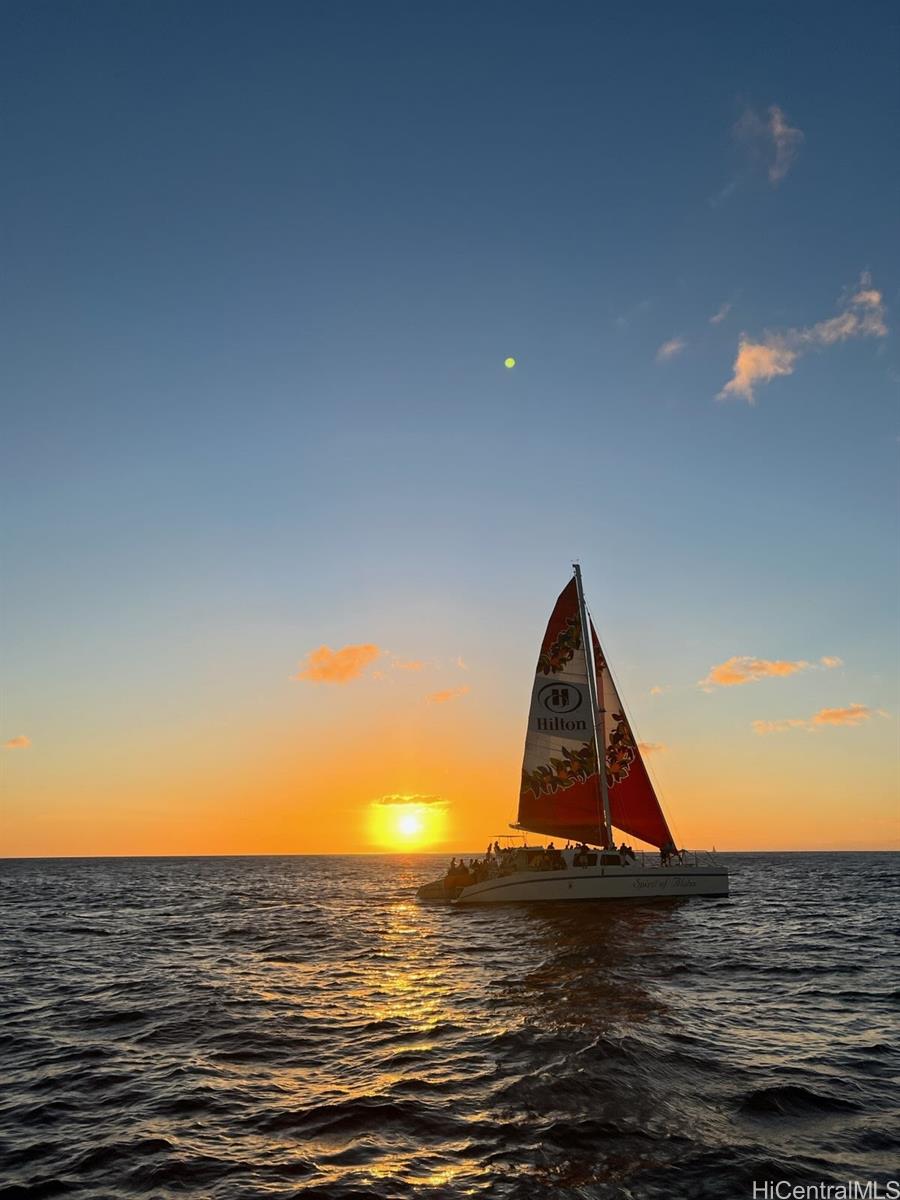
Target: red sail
633, 805
560, 793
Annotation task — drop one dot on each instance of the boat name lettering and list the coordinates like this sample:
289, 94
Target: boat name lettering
663, 883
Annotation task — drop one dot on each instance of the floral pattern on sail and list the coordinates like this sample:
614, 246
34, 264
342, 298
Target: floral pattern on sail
562, 649
575, 766
621, 750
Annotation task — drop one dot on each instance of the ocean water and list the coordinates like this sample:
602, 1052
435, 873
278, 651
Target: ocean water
268, 1027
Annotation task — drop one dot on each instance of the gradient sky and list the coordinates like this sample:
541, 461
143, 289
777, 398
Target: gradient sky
262, 265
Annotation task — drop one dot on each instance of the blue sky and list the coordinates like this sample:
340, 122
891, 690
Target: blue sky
262, 266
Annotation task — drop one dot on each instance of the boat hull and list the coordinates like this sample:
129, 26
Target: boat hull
577, 883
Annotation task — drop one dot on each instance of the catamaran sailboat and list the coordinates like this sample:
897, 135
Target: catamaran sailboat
575, 707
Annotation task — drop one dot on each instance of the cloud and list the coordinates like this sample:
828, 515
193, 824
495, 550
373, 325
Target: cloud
786, 141
770, 140
779, 726
852, 715
20, 742
447, 695
625, 320
463, 666
657, 689
415, 664
855, 714
830, 660
743, 669
652, 747
670, 348
337, 666
862, 315
414, 798
721, 314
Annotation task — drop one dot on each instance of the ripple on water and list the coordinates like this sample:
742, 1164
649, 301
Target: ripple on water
299, 1026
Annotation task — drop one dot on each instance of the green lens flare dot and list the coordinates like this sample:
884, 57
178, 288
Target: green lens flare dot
509, 362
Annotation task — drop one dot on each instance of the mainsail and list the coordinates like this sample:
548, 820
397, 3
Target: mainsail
561, 793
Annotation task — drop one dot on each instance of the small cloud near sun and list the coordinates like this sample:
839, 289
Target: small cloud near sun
337, 666
414, 798
447, 695
652, 747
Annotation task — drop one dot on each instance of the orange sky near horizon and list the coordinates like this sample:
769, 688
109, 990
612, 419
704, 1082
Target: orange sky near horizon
278, 794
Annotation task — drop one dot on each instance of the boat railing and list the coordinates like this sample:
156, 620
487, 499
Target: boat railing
681, 858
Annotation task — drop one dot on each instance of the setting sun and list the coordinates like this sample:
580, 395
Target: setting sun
409, 824
404, 822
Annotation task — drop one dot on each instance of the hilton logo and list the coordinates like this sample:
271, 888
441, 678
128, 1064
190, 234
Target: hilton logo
559, 699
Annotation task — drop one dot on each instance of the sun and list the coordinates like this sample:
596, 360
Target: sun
407, 822
410, 824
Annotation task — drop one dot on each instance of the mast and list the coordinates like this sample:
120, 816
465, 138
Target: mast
598, 712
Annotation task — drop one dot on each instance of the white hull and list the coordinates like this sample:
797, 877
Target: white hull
597, 883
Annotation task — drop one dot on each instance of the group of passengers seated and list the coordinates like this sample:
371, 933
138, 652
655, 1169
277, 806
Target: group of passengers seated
550, 860
627, 853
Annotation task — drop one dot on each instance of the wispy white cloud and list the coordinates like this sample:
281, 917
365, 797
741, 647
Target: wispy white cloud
863, 315
463, 666
670, 348
625, 320
721, 313
770, 139
652, 747
768, 143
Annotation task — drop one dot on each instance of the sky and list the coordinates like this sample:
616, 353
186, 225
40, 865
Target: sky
281, 531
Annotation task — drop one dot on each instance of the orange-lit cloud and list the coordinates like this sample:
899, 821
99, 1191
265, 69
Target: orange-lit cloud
853, 714
831, 660
399, 798
337, 666
743, 669
657, 689
652, 747
670, 348
863, 315
20, 742
447, 695
416, 664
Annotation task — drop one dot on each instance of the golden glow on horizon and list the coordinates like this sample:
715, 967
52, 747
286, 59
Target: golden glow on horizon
407, 824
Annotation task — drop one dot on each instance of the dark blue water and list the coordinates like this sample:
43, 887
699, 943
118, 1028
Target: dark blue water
268, 1027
